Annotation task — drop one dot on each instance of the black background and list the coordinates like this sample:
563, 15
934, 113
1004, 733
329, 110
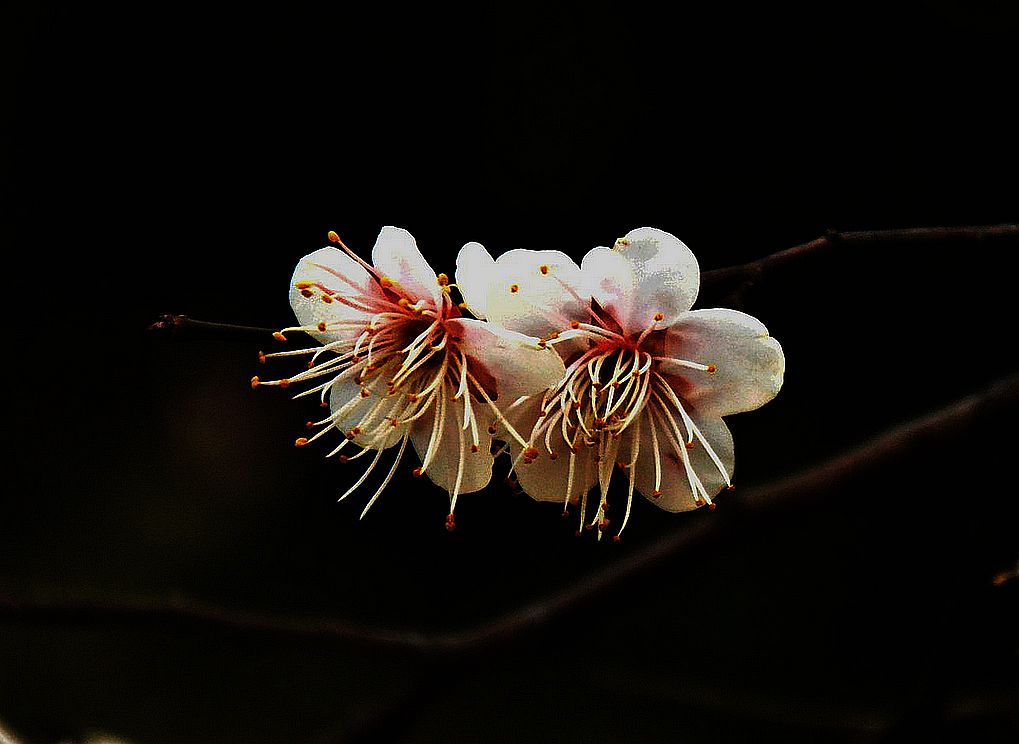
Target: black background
181, 160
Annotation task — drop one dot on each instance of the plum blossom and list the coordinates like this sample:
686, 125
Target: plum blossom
397, 362
647, 380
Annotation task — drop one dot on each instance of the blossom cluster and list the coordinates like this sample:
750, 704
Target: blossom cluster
579, 372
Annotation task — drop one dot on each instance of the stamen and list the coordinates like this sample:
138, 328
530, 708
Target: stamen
389, 475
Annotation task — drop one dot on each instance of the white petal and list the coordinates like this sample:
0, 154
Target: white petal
335, 270
396, 256
349, 410
666, 273
675, 485
750, 364
535, 292
474, 270
509, 361
546, 479
609, 279
477, 466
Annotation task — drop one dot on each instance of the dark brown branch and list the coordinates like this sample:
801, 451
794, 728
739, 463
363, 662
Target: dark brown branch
172, 323
755, 270
810, 484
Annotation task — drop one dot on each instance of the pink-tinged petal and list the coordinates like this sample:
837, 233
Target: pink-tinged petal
610, 281
510, 362
546, 479
452, 443
474, 270
666, 277
676, 494
535, 292
364, 419
396, 256
748, 364
343, 277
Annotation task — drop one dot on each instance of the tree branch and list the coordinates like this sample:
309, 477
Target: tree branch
755, 270
809, 484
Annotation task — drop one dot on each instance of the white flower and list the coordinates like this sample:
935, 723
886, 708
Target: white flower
401, 364
647, 379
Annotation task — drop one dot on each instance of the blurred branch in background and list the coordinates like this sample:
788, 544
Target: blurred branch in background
811, 484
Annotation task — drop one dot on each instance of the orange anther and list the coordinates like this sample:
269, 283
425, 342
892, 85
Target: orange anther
689, 445
659, 317
530, 453
304, 285
416, 472
255, 382
333, 237
309, 424
574, 324
284, 383
321, 326
475, 448
279, 336
656, 494
327, 299
365, 392
712, 369
261, 357
514, 288
404, 302
412, 397
300, 441
730, 487
307, 293
386, 282
543, 268
442, 279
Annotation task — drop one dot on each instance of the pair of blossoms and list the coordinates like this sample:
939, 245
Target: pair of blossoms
578, 370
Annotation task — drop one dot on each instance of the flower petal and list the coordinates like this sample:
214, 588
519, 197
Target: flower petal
534, 292
510, 360
546, 479
348, 409
474, 269
453, 444
749, 364
666, 274
396, 256
335, 270
676, 494
610, 281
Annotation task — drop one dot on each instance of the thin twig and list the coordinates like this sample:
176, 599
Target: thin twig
174, 322
755, 270
809, 484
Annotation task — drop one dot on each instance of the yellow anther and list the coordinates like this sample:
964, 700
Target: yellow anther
659, 317
386, 282
442, 279
403, 302
300, 441
279, 336
333, 237
304, 285
622, 243
543, 268
514, 288
327, 299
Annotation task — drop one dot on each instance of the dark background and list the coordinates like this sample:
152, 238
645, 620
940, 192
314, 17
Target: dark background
171, 160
